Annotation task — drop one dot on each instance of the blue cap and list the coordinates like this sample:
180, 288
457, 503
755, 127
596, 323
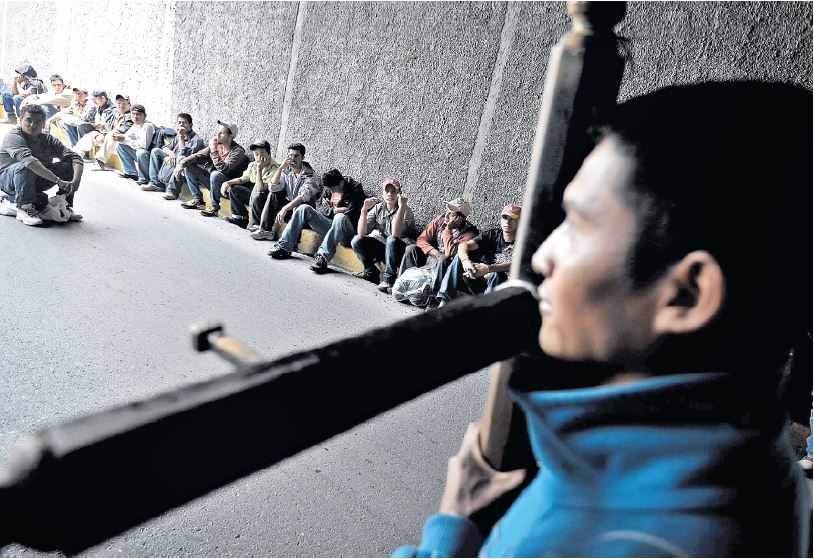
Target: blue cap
99, 93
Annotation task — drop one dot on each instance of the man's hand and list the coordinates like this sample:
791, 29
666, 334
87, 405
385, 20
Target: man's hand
262, 162
181, 131
98, 125
73, 185
171, 159
369, 203
402, 201
117, 137
213, 145
286, 164
179, 171
472, 485
280, 218
480, 270
224, 189
99, 140
469, 268
326, 202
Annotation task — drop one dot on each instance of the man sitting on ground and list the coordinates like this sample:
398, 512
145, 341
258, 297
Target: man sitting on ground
68, 119
101, 113
222, 159
438, 243
27, 169
334, 218
258, 175
24, 84
102, 140
166, 163
293, 184
59, 97
384, 230
494, 248
134, 146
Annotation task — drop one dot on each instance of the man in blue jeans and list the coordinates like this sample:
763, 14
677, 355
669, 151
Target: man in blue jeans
27, 169
222, 159
166, 163
334, 217
133, 146
494, 248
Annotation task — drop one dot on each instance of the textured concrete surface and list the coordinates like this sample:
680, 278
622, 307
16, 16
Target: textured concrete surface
96, 314
381, 88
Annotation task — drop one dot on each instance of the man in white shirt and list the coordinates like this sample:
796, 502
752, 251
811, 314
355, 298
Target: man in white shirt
134, 146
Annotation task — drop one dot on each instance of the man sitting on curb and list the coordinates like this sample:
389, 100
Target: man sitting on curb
134, 146
102, 112
80, 111
221, 160
384, 230
166, 173
438, 243
27, 169
115, 123
293, 184
495, 247
58, 98
24, 84
259, 175
334, 218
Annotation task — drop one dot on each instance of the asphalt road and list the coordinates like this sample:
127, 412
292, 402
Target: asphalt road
96, 314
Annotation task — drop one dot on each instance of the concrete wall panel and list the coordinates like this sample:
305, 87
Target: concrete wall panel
231, 64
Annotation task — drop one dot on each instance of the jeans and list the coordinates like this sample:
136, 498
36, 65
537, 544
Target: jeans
130, 157
415, 257
70, 130
198, 177
370, 250
160, 172
23, 186
454, 281
239, 196
304, 215
268, 205
341, 232
11, 104
50, 110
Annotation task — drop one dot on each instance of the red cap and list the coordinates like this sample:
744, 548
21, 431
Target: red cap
511, 210
391, 180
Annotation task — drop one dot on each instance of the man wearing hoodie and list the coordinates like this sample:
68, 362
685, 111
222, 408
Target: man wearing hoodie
293, 183
24, 84
334, 217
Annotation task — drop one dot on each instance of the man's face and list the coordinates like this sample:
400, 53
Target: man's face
24, 78
224, 136
99, 101
296, 158
589, 307
389, 193
182, 124
32, 123
508, 224
80, 97
57, 85
454, 219
139, 118
123, 105
260, 152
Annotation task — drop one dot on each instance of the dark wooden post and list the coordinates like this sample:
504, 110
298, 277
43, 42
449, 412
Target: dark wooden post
583, 78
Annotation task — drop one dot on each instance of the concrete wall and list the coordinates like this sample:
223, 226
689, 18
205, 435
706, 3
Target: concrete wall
443, 95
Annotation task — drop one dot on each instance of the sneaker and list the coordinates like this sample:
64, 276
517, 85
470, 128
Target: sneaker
385, 287
262, 235
128, 176
9, 120
75, 216
237, 220
193, 204
320, 265
211, 211
278, 252
7, 208
28, 214
150, 187
170, 196
369, 274
141, 181
102, 166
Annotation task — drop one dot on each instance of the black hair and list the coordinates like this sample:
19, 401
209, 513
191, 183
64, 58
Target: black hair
56, 77
299, 147
185, 116
726, 168
34, 109
331, 177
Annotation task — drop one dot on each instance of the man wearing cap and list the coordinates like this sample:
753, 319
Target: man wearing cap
101, 141
27, 169
134, 146
102, 111
58, 98
255, 179
293, 184
70, 118
384, 230
439, 241
222, 159
335, 217
473, 274
24, 84
166, 169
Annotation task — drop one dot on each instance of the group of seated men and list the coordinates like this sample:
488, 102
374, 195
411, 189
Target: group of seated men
273, 200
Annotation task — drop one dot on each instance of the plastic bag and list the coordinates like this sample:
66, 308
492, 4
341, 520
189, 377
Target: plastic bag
56, 210
414, 285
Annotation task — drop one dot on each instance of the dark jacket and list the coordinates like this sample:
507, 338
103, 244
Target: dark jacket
232, 165
427, 240
353, 196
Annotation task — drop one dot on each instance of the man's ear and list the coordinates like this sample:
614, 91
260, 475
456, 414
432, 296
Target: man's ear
692, 294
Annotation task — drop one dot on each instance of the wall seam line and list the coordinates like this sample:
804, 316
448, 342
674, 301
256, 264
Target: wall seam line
289, 84
485, 127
